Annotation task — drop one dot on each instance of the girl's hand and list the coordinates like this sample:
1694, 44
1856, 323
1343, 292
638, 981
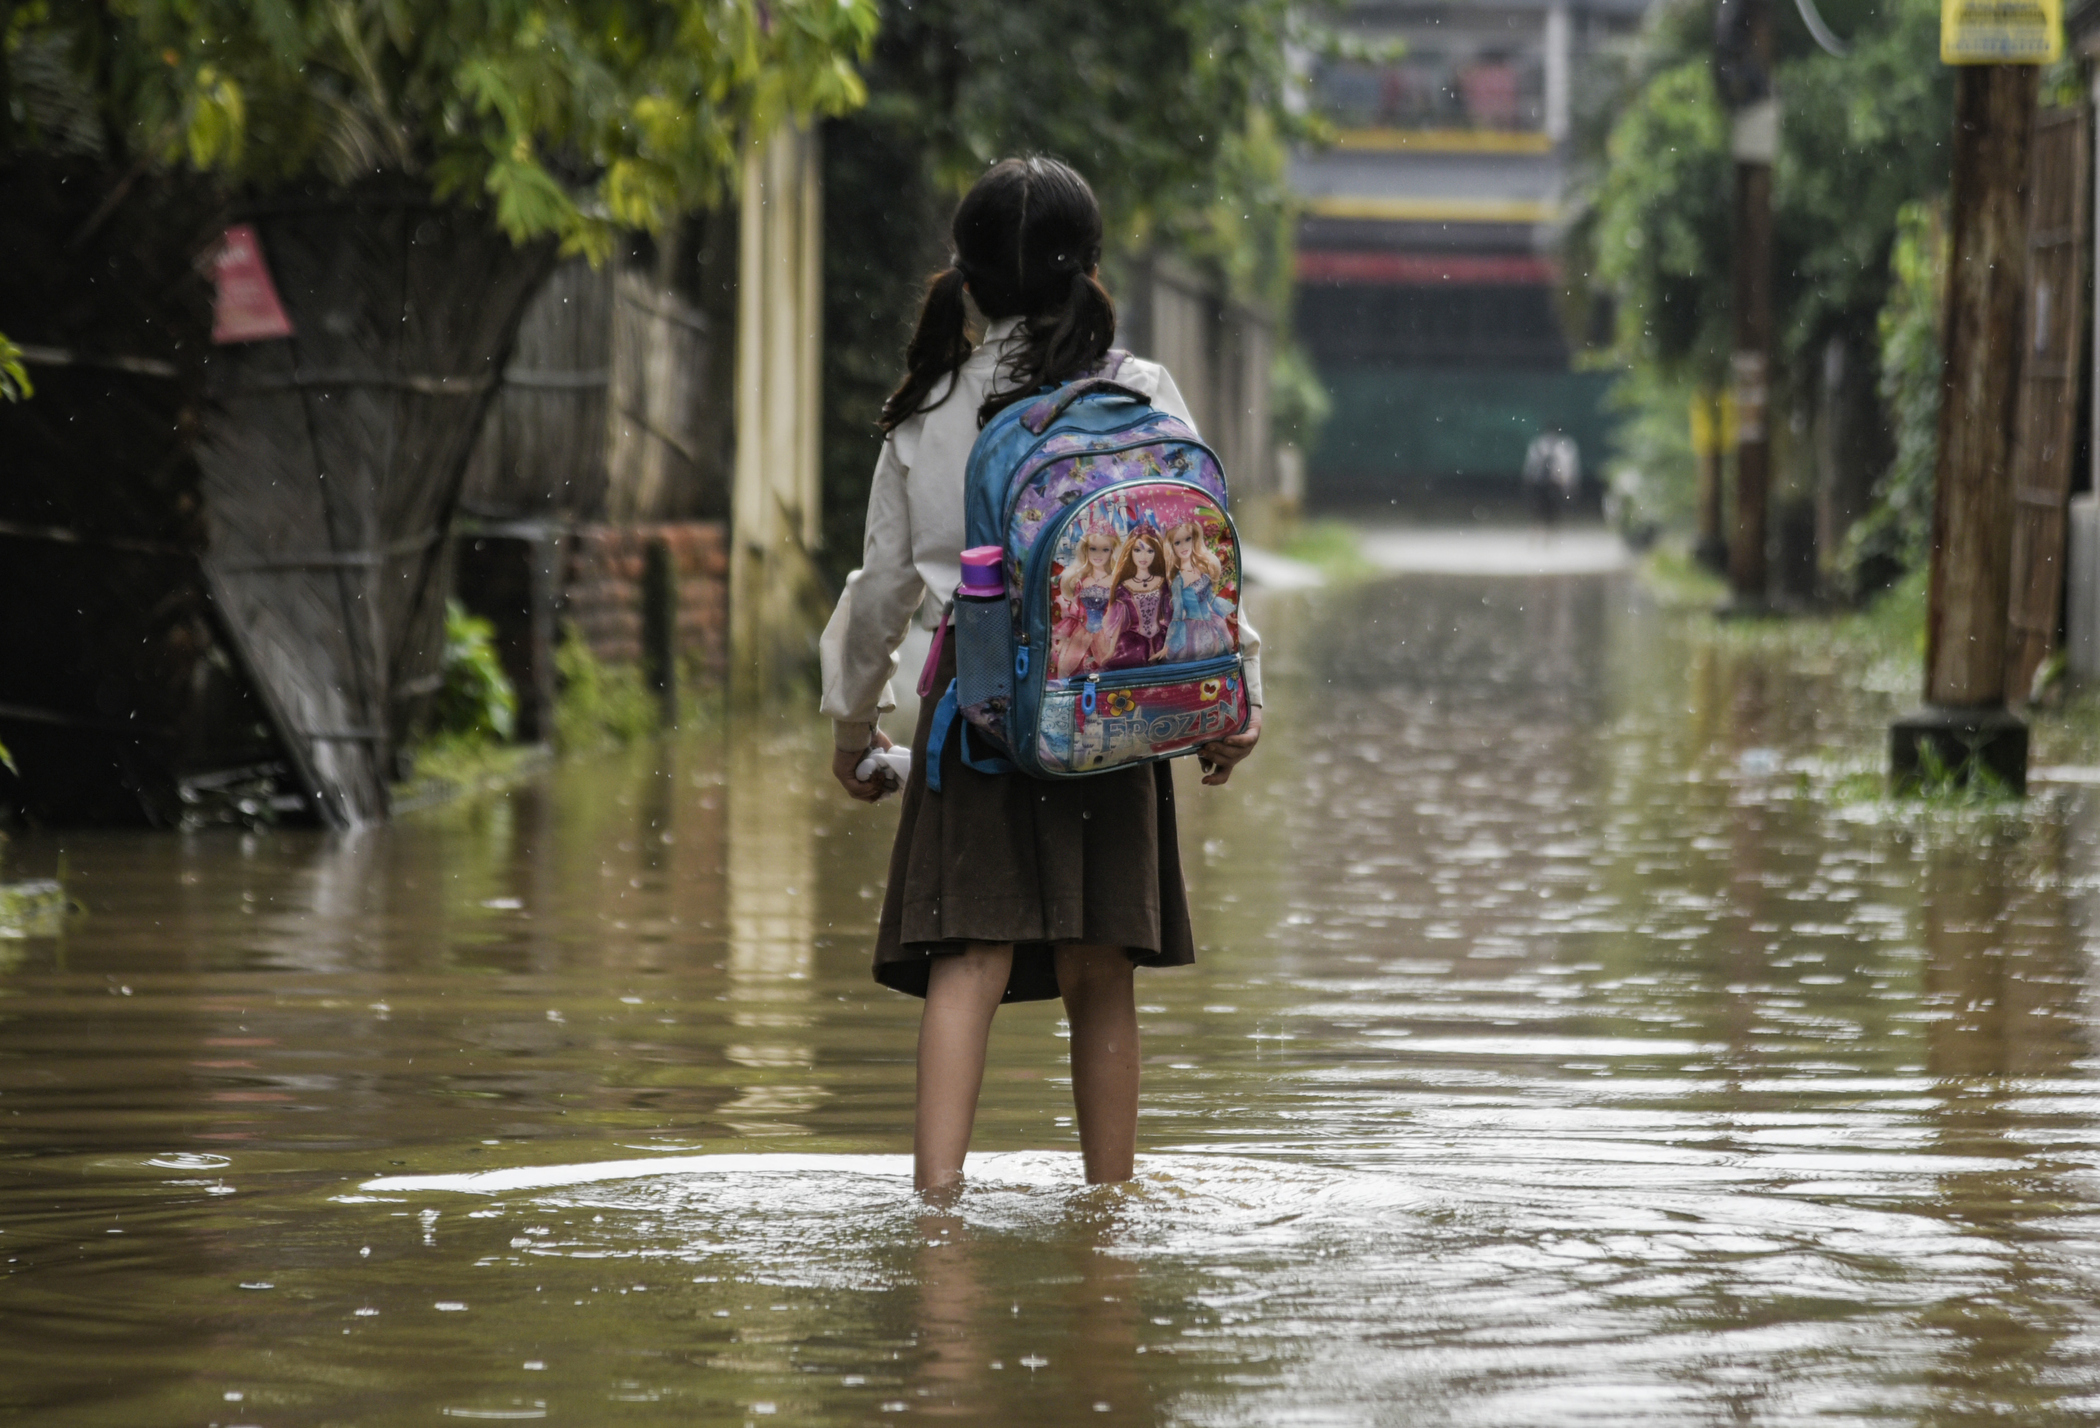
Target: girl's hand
1221, 756
843, 764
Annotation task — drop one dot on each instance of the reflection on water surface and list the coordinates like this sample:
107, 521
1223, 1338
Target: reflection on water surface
1560, 1052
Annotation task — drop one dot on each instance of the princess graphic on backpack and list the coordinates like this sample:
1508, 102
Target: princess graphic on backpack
1136, 627
1199, 616
1085, 592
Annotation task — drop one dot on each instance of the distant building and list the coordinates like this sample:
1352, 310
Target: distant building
1427, 287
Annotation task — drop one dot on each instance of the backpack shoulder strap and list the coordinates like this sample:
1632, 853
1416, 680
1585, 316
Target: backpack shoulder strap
1048, 408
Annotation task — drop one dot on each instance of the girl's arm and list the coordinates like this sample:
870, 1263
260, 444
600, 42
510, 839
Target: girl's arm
859, 647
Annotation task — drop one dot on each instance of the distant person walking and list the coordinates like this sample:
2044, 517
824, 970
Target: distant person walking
1552, 474
1002, 887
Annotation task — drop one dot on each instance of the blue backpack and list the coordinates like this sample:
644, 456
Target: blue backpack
1117, 638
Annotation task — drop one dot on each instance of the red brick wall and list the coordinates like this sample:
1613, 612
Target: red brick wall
602, 589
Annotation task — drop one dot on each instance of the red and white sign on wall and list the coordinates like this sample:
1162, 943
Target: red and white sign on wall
246, 309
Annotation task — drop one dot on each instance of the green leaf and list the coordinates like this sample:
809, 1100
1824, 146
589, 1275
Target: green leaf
217, 127
15, 385
530, 202
476, 700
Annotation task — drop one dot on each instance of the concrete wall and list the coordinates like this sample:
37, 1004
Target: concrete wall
1219, 352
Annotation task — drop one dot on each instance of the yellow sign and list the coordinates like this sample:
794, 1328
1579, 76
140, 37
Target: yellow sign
2001, 31
1713, 423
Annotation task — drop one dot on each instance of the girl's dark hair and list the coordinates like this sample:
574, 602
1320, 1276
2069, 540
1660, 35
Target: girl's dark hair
1027, 237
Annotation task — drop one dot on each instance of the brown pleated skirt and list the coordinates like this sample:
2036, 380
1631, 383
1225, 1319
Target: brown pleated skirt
1034, 862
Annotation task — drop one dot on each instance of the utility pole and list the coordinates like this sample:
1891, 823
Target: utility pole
1965, 724
1743, 75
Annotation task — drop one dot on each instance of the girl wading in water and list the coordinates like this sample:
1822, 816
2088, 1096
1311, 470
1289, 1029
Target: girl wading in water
1005, 888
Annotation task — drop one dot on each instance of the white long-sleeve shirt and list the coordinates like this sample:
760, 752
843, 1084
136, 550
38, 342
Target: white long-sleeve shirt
915, 538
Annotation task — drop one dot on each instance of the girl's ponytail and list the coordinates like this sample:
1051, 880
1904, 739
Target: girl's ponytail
939, 345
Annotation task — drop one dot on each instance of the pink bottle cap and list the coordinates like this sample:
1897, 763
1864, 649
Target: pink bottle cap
984, 570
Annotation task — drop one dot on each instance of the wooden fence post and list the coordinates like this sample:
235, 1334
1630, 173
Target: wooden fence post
660, 626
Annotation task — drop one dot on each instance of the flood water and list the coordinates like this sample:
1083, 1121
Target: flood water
1562, 1049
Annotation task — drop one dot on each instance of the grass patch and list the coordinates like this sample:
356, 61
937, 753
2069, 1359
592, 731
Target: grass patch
458, 767
2066, 732
1879, 649
1677, 580
1943, 798
1893, 624
1330, 547
1884, 639
1958, 783
1882, 646
465, 746
600, 705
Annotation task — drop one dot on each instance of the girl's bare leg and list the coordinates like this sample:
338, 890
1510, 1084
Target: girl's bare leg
1101, 1004
962, 992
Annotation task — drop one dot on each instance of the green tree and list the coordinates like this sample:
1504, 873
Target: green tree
1175, 112
1172, 111
572, 119
1862, 136
1894, 536
1662, 220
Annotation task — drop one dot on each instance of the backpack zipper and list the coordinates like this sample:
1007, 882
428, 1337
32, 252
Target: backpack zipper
1154, 674
1090, 687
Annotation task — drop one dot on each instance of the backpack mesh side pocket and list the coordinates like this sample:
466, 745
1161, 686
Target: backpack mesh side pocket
984, 661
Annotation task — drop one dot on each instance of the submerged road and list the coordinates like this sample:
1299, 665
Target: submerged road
1495, 550
1564, 1048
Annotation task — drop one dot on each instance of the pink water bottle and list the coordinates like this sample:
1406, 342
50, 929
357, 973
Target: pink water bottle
983, 573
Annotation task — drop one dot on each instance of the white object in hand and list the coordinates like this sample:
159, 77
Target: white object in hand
891, 766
